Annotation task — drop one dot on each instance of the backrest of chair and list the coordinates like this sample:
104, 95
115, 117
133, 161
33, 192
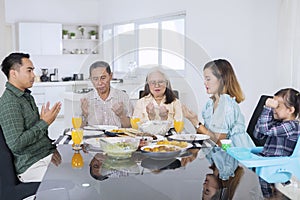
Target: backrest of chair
7, 172
296, 152
256, 113
141, 94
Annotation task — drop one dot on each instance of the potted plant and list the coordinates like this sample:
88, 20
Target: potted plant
72, 35
65, 34
93, 34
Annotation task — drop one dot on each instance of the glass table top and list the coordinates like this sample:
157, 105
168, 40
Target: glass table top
194, 175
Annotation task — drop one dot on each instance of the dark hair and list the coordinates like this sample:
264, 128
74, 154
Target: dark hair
291, 98
12, 61
170, 96
229, 84
100, 64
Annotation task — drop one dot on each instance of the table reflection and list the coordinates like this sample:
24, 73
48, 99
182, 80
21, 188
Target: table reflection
199, 173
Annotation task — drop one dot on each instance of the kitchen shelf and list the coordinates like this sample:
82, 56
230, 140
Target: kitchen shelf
82, 44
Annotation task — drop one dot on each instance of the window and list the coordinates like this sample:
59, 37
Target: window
148, 42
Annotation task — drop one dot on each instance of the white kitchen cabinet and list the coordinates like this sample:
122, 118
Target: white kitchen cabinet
54, 92
40, 38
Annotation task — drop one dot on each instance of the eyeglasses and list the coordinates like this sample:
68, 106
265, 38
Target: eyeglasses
159, 83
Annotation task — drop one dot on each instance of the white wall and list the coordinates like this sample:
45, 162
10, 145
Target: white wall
65, 12
5, 41
244, 32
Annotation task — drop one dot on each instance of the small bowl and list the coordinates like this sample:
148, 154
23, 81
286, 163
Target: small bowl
119, 148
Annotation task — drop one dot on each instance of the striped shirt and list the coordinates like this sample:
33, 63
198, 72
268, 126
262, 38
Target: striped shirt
281, 136
25, 133
100, 111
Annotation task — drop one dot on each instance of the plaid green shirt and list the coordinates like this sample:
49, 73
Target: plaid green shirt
25, 133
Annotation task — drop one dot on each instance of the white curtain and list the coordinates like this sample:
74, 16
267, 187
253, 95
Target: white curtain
289, 40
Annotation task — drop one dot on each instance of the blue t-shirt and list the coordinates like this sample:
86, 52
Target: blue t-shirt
227, 119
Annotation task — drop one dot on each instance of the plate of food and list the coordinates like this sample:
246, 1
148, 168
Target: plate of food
114, 132
189, 137
181, 144
161, 152
89, 133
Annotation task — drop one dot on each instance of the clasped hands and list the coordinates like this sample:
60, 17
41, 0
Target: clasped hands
163, 112
117, 108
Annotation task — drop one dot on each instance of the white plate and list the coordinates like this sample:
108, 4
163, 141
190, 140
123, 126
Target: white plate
93, 142
159, 137
92, 133
87, 132
189, 137
99, 127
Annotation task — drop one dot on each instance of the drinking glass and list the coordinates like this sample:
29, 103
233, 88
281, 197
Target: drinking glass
178, 125
134, 121
77, 136
77, 160
76, 121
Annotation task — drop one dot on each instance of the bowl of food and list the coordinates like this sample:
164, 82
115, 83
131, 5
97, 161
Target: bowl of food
155, 127
161, 152
119, 147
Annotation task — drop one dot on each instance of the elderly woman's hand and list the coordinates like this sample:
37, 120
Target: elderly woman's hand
151, 111
163, 112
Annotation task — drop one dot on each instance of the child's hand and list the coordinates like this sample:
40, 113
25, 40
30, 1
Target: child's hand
272, 103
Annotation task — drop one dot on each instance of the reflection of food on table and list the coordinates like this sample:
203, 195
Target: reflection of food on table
103, 167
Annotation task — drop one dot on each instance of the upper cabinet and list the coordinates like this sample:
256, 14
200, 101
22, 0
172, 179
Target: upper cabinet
80, 39
40, 38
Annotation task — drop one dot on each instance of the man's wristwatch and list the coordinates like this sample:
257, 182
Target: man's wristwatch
198, 125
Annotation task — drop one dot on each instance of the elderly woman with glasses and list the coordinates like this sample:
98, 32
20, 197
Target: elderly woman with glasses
159, 101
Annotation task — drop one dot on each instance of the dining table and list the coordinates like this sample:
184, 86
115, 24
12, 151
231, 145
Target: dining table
185, 176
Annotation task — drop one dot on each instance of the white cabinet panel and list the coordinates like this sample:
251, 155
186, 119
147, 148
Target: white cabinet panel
40, 38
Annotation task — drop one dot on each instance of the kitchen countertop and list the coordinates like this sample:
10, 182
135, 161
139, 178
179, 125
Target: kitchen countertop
61, 83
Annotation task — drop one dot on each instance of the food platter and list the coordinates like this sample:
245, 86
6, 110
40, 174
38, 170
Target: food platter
189, 137
164, 154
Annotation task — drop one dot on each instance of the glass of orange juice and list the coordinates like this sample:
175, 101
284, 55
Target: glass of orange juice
134, 121
77, 136
76, 121
77, 160
178, 125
